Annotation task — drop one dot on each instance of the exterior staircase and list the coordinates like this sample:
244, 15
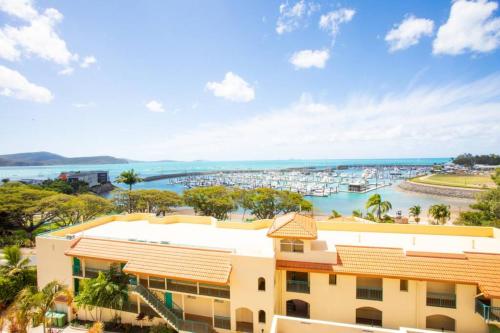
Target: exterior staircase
169, 315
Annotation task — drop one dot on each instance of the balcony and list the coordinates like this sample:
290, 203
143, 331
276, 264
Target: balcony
156, 283
298, 286
214, 291
91, 273
488, 312
183, 287
442, 300
370, 293
222, 322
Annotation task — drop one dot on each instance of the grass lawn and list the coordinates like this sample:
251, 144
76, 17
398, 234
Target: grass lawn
457, 181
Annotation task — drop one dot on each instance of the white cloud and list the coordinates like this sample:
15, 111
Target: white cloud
66, 71
426, 121
87, 61
310, 58
470, 27
8, 49
408, 33
13, 84
293, 17
36, 36
22, 9
155, 106
232, 88
331, 21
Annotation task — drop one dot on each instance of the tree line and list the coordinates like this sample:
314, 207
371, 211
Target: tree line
27, 210
470, 160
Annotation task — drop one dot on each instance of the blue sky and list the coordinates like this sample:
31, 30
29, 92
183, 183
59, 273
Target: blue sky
236, 80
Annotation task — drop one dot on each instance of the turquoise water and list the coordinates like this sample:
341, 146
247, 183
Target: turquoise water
345, 203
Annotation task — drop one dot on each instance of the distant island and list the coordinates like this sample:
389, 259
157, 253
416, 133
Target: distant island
46, 158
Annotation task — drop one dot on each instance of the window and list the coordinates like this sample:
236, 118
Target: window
403, 285
262, 316
332, 279
262, 284
292, 245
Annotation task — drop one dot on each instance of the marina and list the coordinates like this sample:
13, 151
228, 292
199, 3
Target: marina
317, 182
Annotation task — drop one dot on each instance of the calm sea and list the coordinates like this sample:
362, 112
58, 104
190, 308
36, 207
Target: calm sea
342, 202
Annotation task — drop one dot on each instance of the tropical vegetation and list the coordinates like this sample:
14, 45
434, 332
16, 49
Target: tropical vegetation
440, 213
130, 178
485, 211
146, 201
15, 275
470, 160
415, 212
31, 305
334, 214
378, 207
108, 290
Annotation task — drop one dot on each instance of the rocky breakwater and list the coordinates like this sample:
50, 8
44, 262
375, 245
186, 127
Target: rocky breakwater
456, 192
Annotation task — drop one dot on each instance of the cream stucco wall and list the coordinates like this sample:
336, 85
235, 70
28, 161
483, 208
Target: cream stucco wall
399, 308
52, 263
245, 273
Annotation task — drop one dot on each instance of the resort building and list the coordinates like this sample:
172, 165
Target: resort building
92, 178
287, 275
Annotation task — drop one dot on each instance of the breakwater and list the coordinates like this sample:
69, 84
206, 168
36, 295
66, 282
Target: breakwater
447, 191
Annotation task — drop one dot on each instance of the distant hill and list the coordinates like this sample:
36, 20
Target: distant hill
46, 158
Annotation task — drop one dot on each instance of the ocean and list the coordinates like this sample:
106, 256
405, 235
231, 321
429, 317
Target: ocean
343, 202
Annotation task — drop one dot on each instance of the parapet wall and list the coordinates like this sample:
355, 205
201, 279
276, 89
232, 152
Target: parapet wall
264, 224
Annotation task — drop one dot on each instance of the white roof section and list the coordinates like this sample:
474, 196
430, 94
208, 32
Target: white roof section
244, 242
256, 242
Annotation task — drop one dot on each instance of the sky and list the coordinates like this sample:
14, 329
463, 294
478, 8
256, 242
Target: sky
250, 80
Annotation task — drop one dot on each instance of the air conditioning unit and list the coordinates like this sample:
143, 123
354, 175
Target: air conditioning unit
70, 236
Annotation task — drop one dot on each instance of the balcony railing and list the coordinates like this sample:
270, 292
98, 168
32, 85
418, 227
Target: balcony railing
157, 284
214, 291
442, 300
489, 313
182, 287
374, 294
297, 286
222, 322
92, 273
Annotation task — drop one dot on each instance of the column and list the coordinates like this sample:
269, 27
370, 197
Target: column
213, 312
183, 309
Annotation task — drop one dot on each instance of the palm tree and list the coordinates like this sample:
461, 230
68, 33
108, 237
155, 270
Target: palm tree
415, 212
45, 299
107, 290
31, 305
357, 213
378, 206
15, 261
129, 177
440, 213
20, 313
334, 214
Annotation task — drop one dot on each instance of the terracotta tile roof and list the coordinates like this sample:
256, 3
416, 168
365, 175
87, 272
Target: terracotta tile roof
169, 261
293, 225
474, 268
